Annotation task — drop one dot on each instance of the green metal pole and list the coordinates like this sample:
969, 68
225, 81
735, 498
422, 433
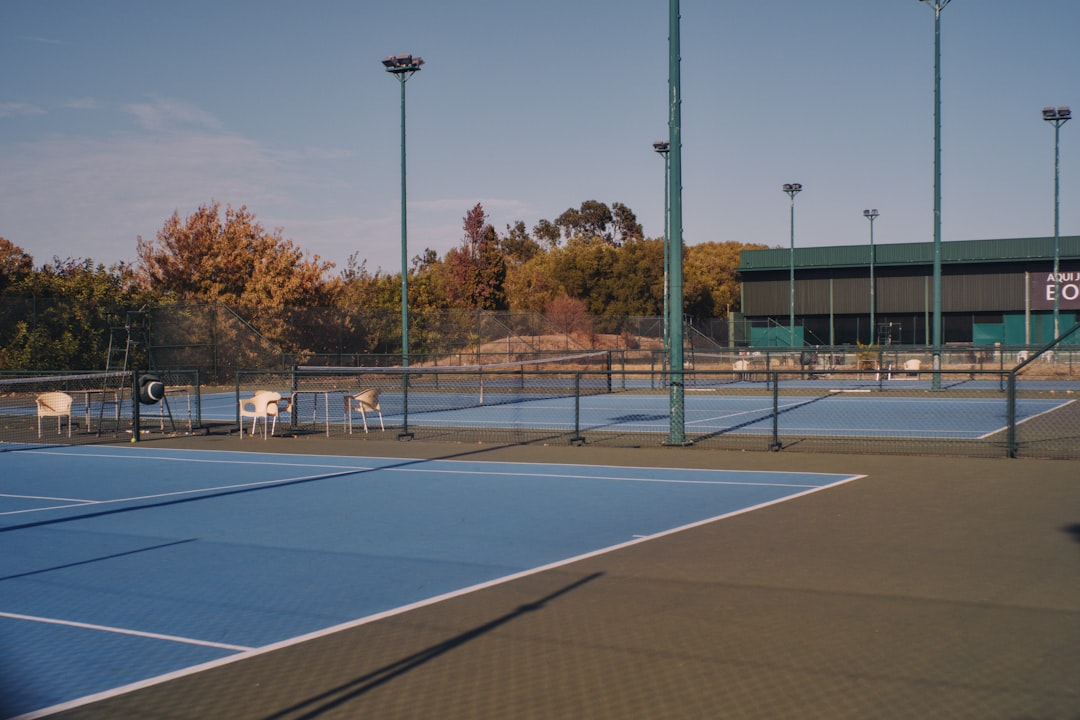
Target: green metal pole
791, 190
791, 278
402, 77
872, 215
662, 148
677, 431
1057, 229
937, 6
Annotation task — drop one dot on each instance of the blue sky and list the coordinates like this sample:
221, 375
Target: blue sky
116, 113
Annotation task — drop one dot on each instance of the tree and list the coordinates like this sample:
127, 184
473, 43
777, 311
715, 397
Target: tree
61, 314
233, 260
15, 263
477, 269
517, 246
548, 234
531, 285
710, 287
625, 222
592, 219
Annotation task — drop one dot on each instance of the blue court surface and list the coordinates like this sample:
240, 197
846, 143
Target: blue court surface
124, 566
846, 412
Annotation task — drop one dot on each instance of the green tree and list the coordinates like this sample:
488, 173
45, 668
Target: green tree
584, 268
62, 314
592, 219
710, 285
516, 244
547, 234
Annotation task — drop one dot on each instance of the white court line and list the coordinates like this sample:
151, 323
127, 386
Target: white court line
124, 631
412, 468
176, 493
46, 497
248, 654
615, 478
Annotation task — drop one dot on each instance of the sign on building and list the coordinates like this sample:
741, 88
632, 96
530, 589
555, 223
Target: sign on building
1067, 288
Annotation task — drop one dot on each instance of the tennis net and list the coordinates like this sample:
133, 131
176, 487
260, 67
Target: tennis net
39, 409
317, 393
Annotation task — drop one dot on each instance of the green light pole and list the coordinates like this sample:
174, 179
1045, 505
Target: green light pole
937, 6
662, 147
403, 67
871, 215
791, 190
1057, 117
677, 431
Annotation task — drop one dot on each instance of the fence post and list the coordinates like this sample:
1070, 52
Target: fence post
1010, 414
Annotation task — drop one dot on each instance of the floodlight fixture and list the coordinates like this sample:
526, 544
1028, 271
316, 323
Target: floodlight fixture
405, 63
661, 146
1052, 114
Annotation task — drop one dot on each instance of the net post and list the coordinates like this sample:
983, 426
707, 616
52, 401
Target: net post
135, 402
577, 439
775, 444
198, 399
608, 372
236, 405
405, 434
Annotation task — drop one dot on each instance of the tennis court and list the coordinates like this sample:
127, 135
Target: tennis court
127, 565
842, 411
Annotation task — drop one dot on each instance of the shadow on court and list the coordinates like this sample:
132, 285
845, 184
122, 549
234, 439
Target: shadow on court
932, 587
317, 706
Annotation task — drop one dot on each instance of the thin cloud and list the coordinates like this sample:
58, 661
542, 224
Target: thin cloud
44, 40
162, 115
83, 104
21, 109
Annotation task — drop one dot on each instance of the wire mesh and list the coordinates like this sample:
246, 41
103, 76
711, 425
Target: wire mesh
43, 409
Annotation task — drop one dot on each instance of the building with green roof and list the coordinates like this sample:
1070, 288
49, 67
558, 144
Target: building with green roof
992, 291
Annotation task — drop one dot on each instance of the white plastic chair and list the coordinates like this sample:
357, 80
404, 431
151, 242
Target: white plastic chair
54, 404
263, 404
912, 366
365, 401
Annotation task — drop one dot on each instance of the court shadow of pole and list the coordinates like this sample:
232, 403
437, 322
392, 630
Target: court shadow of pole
335, 697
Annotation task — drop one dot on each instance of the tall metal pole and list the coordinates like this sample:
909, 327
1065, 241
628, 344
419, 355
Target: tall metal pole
871, 215
403, 67
677, 431
937, 6
1058, 117
1057, 232
792, 189
404, 241
662, 147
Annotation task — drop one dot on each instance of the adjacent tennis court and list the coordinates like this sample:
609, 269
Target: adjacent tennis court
845, 412
126, 565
